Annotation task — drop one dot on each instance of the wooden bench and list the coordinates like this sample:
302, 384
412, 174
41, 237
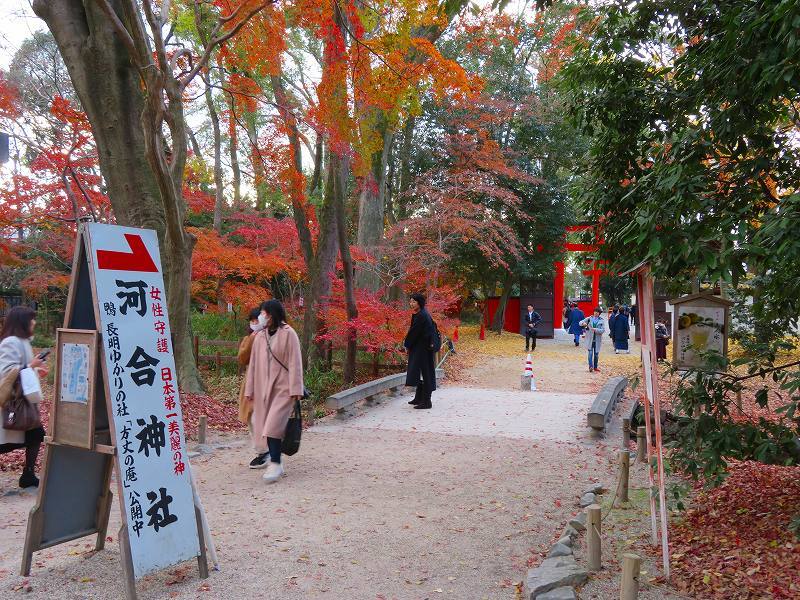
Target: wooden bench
604, 403
367, 391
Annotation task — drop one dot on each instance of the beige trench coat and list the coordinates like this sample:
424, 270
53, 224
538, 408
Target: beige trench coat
14, 352
271, 386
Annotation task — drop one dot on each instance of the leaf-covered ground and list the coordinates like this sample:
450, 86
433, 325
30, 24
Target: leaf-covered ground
734, 542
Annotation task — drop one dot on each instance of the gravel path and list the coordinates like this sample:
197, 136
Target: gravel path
456, 502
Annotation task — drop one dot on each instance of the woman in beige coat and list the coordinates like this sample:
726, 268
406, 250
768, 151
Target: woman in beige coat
274, 382
16, 353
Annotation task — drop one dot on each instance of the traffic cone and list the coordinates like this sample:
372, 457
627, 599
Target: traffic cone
455, 334
483, 330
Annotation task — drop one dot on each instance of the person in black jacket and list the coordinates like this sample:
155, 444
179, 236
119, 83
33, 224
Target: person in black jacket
532, 319
419, 344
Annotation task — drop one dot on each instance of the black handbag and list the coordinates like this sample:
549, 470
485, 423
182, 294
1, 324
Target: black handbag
19, 413
294, 430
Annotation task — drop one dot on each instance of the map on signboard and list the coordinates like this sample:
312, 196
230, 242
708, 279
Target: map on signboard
700, 330
75, 373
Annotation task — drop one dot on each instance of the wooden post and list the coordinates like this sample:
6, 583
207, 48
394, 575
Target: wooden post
202, 427
196, 350
375, 363
593, 537
631, 563
641, 445
626, 432
219, 364
624, 470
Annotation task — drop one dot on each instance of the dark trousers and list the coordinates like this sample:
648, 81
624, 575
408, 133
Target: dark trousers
530, 338
423, 393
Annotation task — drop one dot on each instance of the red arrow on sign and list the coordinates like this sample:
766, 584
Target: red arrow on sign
138, 259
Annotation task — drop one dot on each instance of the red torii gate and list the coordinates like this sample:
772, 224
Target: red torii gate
594, 271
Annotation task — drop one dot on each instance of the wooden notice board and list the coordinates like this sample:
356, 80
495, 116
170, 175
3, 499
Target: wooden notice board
93, 434
73, 410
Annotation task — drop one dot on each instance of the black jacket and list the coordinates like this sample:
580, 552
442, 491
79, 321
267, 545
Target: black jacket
421, 356
534, 320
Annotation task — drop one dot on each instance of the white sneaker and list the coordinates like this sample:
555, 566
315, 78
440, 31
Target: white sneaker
274, 472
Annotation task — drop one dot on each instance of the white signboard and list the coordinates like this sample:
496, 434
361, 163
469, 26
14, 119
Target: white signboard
75, 373
700, 329
137, 349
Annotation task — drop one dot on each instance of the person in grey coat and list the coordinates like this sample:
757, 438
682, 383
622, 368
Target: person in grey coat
595, 328
16, 351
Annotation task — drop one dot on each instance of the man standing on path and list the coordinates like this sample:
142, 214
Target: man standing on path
532, 319
574, 324
595, 328
419, 343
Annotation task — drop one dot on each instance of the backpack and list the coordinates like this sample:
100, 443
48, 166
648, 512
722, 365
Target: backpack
436, 340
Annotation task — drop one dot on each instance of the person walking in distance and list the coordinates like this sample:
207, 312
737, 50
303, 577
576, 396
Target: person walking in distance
421, 372
565, 314
274, 382
532, 319
595, 328
16, 352
574, 326
620, 333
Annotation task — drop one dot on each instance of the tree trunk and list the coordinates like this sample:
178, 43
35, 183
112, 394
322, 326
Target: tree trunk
233, 148
117, 111
371, 207
219, 185
500, 314
256, 160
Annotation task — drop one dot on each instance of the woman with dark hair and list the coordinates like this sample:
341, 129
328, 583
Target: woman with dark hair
16, 352
421, 372
274, 382
243, 357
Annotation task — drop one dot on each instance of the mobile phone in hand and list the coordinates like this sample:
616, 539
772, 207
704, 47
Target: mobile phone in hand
43, 355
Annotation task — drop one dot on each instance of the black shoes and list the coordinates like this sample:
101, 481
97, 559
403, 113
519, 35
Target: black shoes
423, 406
28, 479
260, 461
413, 402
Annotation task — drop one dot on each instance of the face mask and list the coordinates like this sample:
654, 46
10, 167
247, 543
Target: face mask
262, 320
256, 326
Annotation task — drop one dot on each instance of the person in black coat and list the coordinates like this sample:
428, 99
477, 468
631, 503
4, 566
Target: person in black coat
532, 319
419, 344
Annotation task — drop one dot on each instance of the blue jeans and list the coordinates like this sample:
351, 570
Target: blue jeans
577, 339
594, 355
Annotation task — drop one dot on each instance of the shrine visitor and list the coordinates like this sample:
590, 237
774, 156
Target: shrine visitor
574, 325
620, 333
532, 319
662, 340
565, 314
243, 357
595, 328
419, 343
274, 382
16, 351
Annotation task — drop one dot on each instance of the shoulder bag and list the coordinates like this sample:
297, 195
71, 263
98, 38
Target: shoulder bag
19, 412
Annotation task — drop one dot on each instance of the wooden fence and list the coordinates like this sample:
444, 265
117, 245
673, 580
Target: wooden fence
376, 366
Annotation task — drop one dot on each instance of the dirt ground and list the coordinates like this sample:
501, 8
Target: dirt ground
365, 512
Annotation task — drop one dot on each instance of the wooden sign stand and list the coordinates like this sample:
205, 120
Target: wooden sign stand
74, 498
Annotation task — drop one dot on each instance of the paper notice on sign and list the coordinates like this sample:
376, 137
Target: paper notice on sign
75, 373
143, 386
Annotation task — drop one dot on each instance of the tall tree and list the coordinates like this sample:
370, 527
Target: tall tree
137, 100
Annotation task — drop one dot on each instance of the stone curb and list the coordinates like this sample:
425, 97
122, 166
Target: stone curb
559, 574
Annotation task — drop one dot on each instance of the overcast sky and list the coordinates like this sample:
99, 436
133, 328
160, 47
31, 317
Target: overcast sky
17, 22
